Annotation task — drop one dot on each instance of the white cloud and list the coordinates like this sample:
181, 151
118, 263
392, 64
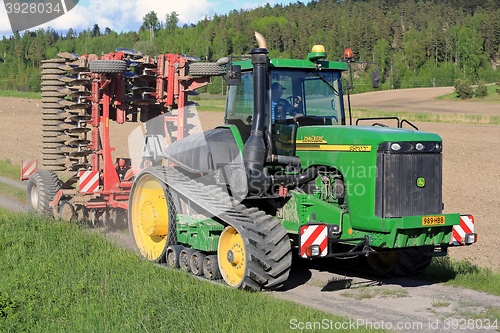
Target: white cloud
119, 15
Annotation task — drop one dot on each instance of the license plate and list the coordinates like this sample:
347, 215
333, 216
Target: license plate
432, 220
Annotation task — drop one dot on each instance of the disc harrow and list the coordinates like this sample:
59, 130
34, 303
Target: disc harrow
81, 95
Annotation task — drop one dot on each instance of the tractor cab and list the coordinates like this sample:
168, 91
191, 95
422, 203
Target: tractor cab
298, 93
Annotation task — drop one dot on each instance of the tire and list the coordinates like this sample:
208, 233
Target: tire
42, 186
151, 237
108, 66
399, 263
205, 69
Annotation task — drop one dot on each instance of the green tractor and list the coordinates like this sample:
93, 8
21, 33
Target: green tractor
285, 174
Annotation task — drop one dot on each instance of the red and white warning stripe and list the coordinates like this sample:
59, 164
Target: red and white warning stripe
314, 235
28, 168
89, 181
466, 227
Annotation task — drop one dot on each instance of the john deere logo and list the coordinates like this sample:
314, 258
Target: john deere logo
421, 182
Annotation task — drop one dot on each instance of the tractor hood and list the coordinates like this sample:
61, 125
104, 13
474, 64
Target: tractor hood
335, 141
372, 136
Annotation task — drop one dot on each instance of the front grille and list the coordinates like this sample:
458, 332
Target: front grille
396, 190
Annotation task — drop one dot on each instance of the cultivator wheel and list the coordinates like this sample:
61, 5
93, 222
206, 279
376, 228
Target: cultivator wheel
205, 69
108, 66
151, 217
400, 263
42, 186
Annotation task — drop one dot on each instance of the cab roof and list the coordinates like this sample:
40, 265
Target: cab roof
297, 63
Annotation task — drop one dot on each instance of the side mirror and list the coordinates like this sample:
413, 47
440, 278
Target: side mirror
233, 75
375, 79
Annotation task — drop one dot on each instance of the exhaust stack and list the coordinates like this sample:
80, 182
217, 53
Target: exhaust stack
255, 151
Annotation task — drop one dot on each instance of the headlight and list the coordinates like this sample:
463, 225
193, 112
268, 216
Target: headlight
395, 146
419, 146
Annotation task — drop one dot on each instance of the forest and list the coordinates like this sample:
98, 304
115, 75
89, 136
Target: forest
417, 43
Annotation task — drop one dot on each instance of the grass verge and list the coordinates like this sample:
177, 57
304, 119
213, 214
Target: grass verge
209, 103
9, 170
462, 274
20, 94
57, 277
424, 117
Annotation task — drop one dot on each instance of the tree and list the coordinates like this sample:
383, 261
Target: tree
172, 19
463, 89
107, 31
18, 52
96, 31
150, 21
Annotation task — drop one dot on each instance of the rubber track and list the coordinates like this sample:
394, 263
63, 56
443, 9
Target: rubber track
266, 241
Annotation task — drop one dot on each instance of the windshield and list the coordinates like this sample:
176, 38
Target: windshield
296, 94
295, 97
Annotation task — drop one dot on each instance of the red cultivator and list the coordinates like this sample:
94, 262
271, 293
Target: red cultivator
77, 109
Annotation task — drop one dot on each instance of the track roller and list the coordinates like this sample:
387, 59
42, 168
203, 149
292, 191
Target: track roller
185, 258
211, 268
173, 253
196, 263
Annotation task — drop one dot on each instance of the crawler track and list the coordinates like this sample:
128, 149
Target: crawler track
268, 250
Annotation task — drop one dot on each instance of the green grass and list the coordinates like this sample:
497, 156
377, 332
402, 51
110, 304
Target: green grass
20, 94
13, 192
423, 117
462, 274
210, 103
492, 97
9, 170
58, 277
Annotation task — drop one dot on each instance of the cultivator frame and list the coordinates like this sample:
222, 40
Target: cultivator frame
122, 86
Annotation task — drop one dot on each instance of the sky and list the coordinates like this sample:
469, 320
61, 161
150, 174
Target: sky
127, 15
